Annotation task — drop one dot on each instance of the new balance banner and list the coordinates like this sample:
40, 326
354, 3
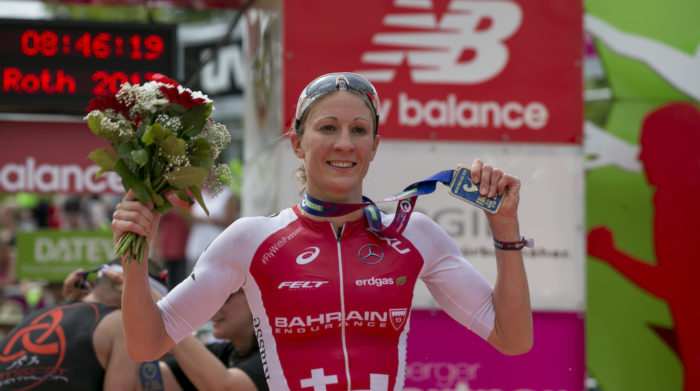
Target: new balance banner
51, 157
448, 69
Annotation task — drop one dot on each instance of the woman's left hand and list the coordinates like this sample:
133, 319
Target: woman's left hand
493, 181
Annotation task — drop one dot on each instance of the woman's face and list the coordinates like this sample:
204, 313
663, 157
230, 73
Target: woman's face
337, 146
233, 318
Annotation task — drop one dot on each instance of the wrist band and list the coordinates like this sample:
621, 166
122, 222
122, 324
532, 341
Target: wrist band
523, 242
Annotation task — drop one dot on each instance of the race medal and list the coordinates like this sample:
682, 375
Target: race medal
463, 188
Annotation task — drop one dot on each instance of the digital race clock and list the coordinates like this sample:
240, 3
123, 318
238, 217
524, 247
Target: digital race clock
58, 66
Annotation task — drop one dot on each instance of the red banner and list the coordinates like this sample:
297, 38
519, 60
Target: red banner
199, 4
448, 69
51, 157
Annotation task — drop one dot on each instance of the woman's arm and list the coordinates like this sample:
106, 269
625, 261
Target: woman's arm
121, 373
512, 332
206, 371
144, 330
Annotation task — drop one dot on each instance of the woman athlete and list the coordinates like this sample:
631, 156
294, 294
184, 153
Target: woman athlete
330, 295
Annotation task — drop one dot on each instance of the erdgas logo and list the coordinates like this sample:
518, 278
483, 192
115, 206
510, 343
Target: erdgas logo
464, 46
308, 256
374, 281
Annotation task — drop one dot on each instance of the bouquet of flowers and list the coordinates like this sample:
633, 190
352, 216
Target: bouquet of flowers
161, 139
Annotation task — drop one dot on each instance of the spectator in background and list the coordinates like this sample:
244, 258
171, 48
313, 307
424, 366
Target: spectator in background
7, 263
75, 345
9, 220
172, 242
73, 216
98, 212
231, 364
223, 210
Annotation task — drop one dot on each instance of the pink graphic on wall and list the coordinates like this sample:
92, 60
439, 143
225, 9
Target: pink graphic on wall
670, 152
443, 355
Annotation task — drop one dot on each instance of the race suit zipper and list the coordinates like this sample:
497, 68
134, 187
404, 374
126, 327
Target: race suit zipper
339, 234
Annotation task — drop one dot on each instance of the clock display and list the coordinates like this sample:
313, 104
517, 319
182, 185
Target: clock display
58, 66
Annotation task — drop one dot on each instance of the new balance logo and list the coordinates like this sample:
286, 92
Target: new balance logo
465, 46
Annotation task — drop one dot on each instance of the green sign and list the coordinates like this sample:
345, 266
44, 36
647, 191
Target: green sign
51, 255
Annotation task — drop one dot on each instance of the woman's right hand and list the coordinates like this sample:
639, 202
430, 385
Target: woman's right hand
131, 215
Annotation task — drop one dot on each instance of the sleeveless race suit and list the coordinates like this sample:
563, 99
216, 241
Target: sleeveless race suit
331, 313
52, 349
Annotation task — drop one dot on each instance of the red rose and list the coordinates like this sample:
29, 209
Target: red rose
184, 98
108, 102
164, 79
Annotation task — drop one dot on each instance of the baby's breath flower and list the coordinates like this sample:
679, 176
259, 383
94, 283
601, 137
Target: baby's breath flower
148, 99
174, 124
175, 161
217, 135
219, 177
115, 126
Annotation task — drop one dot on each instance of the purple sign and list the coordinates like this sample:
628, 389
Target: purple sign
444, 356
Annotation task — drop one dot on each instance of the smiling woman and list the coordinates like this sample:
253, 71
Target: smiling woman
322, 279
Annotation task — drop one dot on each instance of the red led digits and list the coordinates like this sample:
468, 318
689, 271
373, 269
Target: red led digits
109, 83
82, 44
154, 46
34, 43
101, 45
58, 66
118, 46
136, 47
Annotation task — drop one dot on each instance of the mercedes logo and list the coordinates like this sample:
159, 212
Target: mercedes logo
370, 254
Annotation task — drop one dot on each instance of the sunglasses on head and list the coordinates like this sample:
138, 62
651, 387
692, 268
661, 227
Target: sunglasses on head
331, 82
160, 279
82, 283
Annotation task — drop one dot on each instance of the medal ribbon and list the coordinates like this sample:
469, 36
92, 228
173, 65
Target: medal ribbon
406, 199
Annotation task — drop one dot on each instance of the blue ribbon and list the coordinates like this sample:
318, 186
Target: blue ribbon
406, 201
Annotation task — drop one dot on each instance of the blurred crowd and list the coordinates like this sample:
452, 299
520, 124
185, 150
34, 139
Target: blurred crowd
184, 230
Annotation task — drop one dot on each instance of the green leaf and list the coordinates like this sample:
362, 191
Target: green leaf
105, 158
193, 120
140, 156
165, 207
198, 147
173, 146
157, 170
95, 125
206, 162
196, 191
131, 181
155, 134
158, 200
185, 196
184, 177
125, 150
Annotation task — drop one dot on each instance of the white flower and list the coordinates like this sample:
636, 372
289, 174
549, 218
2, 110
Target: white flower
219, 177
217, 135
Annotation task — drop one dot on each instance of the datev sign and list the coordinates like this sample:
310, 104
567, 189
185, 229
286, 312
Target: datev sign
449, 69
51, 255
